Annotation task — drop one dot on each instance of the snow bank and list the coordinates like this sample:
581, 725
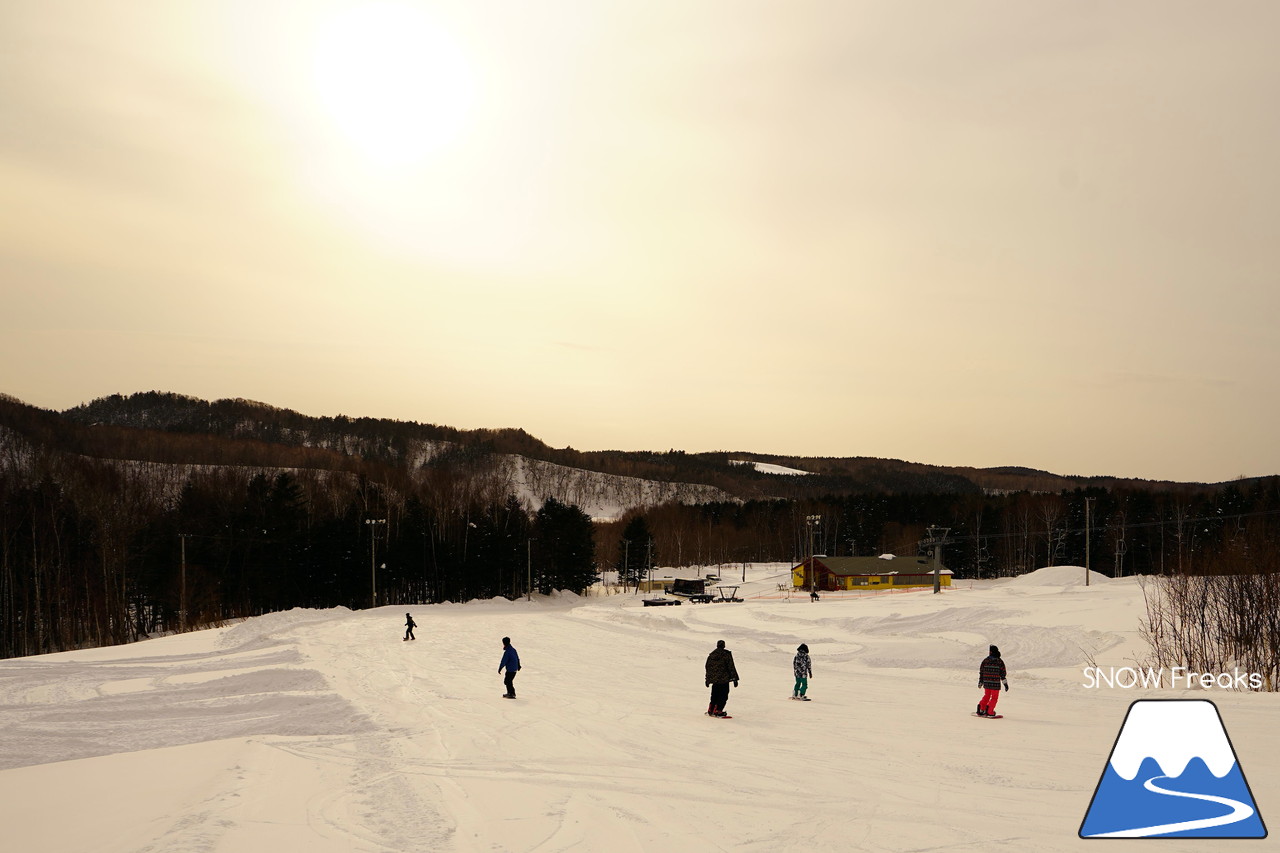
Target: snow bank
257, 630
1057, 576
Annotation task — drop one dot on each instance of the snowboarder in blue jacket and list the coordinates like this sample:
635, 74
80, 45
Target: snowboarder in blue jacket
511, 663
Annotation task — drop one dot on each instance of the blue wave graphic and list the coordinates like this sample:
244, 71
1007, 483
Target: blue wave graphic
1133, 808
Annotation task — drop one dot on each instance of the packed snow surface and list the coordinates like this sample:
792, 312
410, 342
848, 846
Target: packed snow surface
324, 731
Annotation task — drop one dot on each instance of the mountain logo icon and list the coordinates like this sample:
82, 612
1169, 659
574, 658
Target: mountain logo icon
1172, 773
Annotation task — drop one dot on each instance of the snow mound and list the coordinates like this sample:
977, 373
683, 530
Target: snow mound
1057, 576
499, 602
257, 629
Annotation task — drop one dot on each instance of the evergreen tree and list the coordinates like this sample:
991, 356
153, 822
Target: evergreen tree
566, 552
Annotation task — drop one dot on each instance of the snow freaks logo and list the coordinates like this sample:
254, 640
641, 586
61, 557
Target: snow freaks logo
1172, 773
1128, 677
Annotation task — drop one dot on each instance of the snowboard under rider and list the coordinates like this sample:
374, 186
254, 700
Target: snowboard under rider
990, 675
720, 671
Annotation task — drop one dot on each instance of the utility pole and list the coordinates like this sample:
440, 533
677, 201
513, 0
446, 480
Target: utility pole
1087, 530
373, 547
626, 568
182, 586
649, 562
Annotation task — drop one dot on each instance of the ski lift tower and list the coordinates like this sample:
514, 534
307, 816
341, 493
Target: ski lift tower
933, 544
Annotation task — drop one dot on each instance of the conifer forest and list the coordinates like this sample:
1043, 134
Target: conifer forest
152, 514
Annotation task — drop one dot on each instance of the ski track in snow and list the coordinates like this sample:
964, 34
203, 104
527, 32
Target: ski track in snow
322, 730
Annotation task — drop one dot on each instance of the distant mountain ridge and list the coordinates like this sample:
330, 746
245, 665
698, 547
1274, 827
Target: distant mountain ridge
174, 428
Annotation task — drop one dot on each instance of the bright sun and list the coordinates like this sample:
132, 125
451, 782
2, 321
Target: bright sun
396, 85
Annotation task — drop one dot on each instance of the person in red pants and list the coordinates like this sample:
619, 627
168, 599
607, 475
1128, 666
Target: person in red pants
990, 676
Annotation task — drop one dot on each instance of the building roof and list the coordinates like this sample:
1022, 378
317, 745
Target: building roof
886, 564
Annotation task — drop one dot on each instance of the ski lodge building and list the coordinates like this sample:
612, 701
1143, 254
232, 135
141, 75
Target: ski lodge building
868, 573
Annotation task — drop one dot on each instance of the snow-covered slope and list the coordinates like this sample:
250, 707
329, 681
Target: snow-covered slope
601, 496
323, 731
768, 468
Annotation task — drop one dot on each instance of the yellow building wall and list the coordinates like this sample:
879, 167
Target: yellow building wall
847, 582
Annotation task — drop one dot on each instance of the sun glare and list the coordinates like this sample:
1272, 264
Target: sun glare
396, 85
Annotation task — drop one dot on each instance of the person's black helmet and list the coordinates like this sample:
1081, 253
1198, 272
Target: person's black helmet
995, 651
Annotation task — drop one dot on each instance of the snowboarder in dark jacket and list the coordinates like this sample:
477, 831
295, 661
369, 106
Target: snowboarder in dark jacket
720, 671
409, 625
510, 662
803, 668
990, 675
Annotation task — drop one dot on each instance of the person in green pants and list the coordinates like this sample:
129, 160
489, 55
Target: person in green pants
803, 668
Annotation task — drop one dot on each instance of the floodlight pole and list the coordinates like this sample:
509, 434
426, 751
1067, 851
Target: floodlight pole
812, 521
373, 547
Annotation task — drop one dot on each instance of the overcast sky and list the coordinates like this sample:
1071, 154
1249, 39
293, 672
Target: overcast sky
952, 232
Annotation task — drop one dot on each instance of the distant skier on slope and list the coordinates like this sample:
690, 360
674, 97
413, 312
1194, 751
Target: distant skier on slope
510, 662
720, 671
409, 625
990, 675
803, 668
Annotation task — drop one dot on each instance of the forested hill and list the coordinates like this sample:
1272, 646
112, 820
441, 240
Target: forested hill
157, 512
166, 427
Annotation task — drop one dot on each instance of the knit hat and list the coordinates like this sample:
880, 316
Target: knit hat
995, 651
803, 648
719, 644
